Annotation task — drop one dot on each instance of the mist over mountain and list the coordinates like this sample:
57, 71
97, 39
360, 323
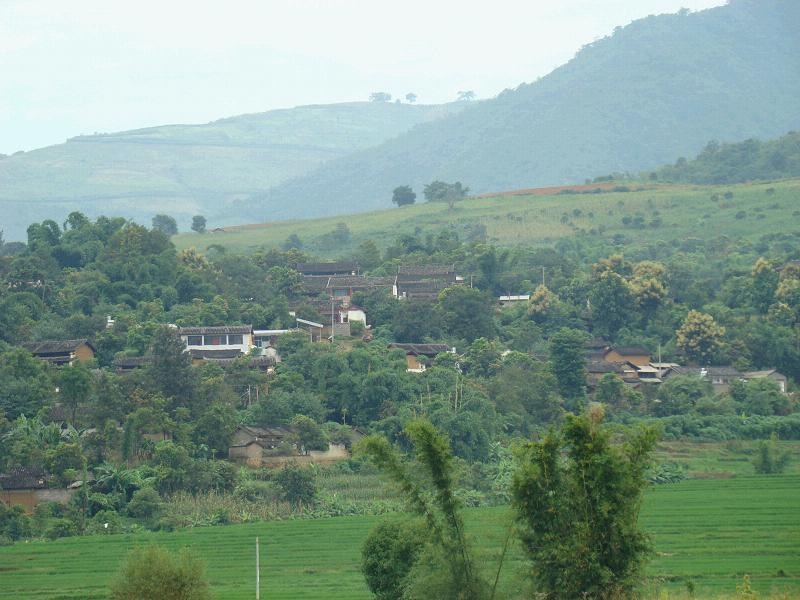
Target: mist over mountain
191, 169
656, 89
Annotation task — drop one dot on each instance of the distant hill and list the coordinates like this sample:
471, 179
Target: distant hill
750, 160
658, 88
191, 169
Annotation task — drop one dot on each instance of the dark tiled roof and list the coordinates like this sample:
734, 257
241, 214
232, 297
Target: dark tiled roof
356, 281
427, 270
602, 366
722, 371
25, 479
596, 343
55, 346
631, 350
131, 362
234, 329
327, 268
422, 349
315, 283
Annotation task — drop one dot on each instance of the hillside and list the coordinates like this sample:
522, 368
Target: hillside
749, 160
190, 169
655, 212
656, 89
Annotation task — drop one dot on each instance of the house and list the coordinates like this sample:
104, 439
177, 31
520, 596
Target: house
328, 268
511, 300
274, 446
124, 364
722, 377
594, 349
634, 354
343, 287
772, 374
418, 356
31, 487
597, 369
62, 352
424, 282
232, 338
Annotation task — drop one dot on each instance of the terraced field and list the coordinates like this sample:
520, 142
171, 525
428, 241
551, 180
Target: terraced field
664, 213
711, 532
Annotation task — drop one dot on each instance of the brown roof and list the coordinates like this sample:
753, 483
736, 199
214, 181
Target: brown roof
630, 350
55, 347
602, 366
199, 353
243, 329
422, 349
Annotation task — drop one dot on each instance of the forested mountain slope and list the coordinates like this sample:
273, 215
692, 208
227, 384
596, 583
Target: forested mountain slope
190, 169
658, 88
749, 160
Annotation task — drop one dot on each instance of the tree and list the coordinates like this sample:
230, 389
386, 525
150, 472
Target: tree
466, 96
199, 224
578, 516
292, 242
165, 224
403, 195
568, 363
388, 554
308, 434
153, 572
145, 504
411, 97
215, 428
765, 284
368, 255
74, 386
466, 313
699, 336
611, 302
24, 384
448, 568
170, 369
380, 97
297, 484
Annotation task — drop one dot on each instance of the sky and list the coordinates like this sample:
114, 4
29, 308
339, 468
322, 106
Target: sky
85, 66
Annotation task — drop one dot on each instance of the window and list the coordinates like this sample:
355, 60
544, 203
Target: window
235, 340
194, 340
214, 340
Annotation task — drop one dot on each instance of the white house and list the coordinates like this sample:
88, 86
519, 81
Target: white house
227, 337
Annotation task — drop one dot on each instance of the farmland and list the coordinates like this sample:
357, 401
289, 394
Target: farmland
710, 531
666, 213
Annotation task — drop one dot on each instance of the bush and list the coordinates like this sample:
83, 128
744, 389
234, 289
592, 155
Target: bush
154, 573
297, 484
145, 504
388, 554
769, 459
58, 528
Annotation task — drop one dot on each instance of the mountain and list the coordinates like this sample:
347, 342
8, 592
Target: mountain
750, 160
658, 88
191, 169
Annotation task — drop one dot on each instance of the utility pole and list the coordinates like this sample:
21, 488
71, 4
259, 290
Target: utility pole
258, 571
332, 333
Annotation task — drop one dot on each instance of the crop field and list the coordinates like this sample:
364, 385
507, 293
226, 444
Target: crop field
655, 213
710, 532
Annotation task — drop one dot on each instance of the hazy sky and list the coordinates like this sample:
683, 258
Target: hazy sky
68, 68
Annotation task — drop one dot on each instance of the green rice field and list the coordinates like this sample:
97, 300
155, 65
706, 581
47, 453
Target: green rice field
710, 531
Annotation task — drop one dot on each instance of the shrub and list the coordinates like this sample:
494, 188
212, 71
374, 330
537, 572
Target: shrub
297, 484
388, 554
769, 459
145, 504
154, 573
58, 528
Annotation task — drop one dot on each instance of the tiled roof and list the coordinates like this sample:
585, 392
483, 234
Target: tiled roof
344, 267
422, 349
55, 346
427, 270
234, 329
25, 479
631, 350
602, 366
131, 362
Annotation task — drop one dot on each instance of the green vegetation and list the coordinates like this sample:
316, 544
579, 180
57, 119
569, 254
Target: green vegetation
191, 169
710, 532
154, 573
656, 89
749, 160
666, 214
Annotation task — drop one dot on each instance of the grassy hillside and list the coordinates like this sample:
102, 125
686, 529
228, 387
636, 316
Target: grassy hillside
533, 219
190, 169
710, 531
659, 88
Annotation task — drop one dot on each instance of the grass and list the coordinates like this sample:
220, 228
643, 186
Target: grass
685, 211
711, 531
